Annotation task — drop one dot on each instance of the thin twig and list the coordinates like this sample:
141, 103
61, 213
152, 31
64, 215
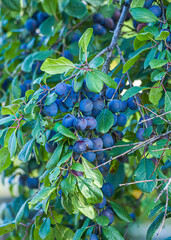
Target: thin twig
116, 35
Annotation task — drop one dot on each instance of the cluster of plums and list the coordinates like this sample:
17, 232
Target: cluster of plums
33, 23
102, 24
31, 183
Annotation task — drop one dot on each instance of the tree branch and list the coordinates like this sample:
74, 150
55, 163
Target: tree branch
116, 35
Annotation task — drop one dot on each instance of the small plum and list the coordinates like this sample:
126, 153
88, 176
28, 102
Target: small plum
101, 204
108, 213
98, 18
99, 29
31, 25
68, 121
51, 110
32, 182
115, 106
97, 143
80, 123
108, 140
121, 119
91, 123
86, 105
108, 189
109, 23
156, 10
62, 89
90, 156
80, 147
139, 134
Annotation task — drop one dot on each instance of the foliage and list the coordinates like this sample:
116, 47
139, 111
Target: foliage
70, 133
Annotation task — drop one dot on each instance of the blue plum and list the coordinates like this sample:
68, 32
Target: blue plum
110, 92
32, 182
61, 105
80, 123
108, 189
62, 89
109, 23
41, 16
101, 204
98, 18
94, 237
88, 142
108, 213
156, 10
115, 106
98, 103
31, 25
121, 119
86, 105
68, 121
149, 121
99, 29
148, 3
139, 134
51, 110
80, 147
122, 85
131, 103
108, 140
97, 143
71, 99
124, 106
90, 156
67, 54
91, 123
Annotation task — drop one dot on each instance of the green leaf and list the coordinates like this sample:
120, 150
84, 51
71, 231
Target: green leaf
65, 158
47, 26
157, 63
151, 55
143, 15
45, 228
106, 79
78, 82
57, 66
13, 5
80, 231
96, 62
80, 203
7, 228
54, 174
20, 212
64, 233
91, 173
10, 109
76, 9
132, 92
50, 6
5, 160
50, 98
44, 193
91, 192
153, 30
134, 58
154, 226
26, 151
66, 132
121, 212
16, 90
67, 203
62, 4
29, 60
143, 172
155, 93
112, 233
167, 106
137, 3
68, 184
163, 35
105, 121
93, 83
12, 144
85, 39
55, 156
102, 220
168, 13
155, 210
9, 119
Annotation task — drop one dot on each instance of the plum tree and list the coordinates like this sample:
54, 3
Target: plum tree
85, 110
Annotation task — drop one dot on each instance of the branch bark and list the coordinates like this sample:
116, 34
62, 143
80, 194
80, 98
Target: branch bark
116, 35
